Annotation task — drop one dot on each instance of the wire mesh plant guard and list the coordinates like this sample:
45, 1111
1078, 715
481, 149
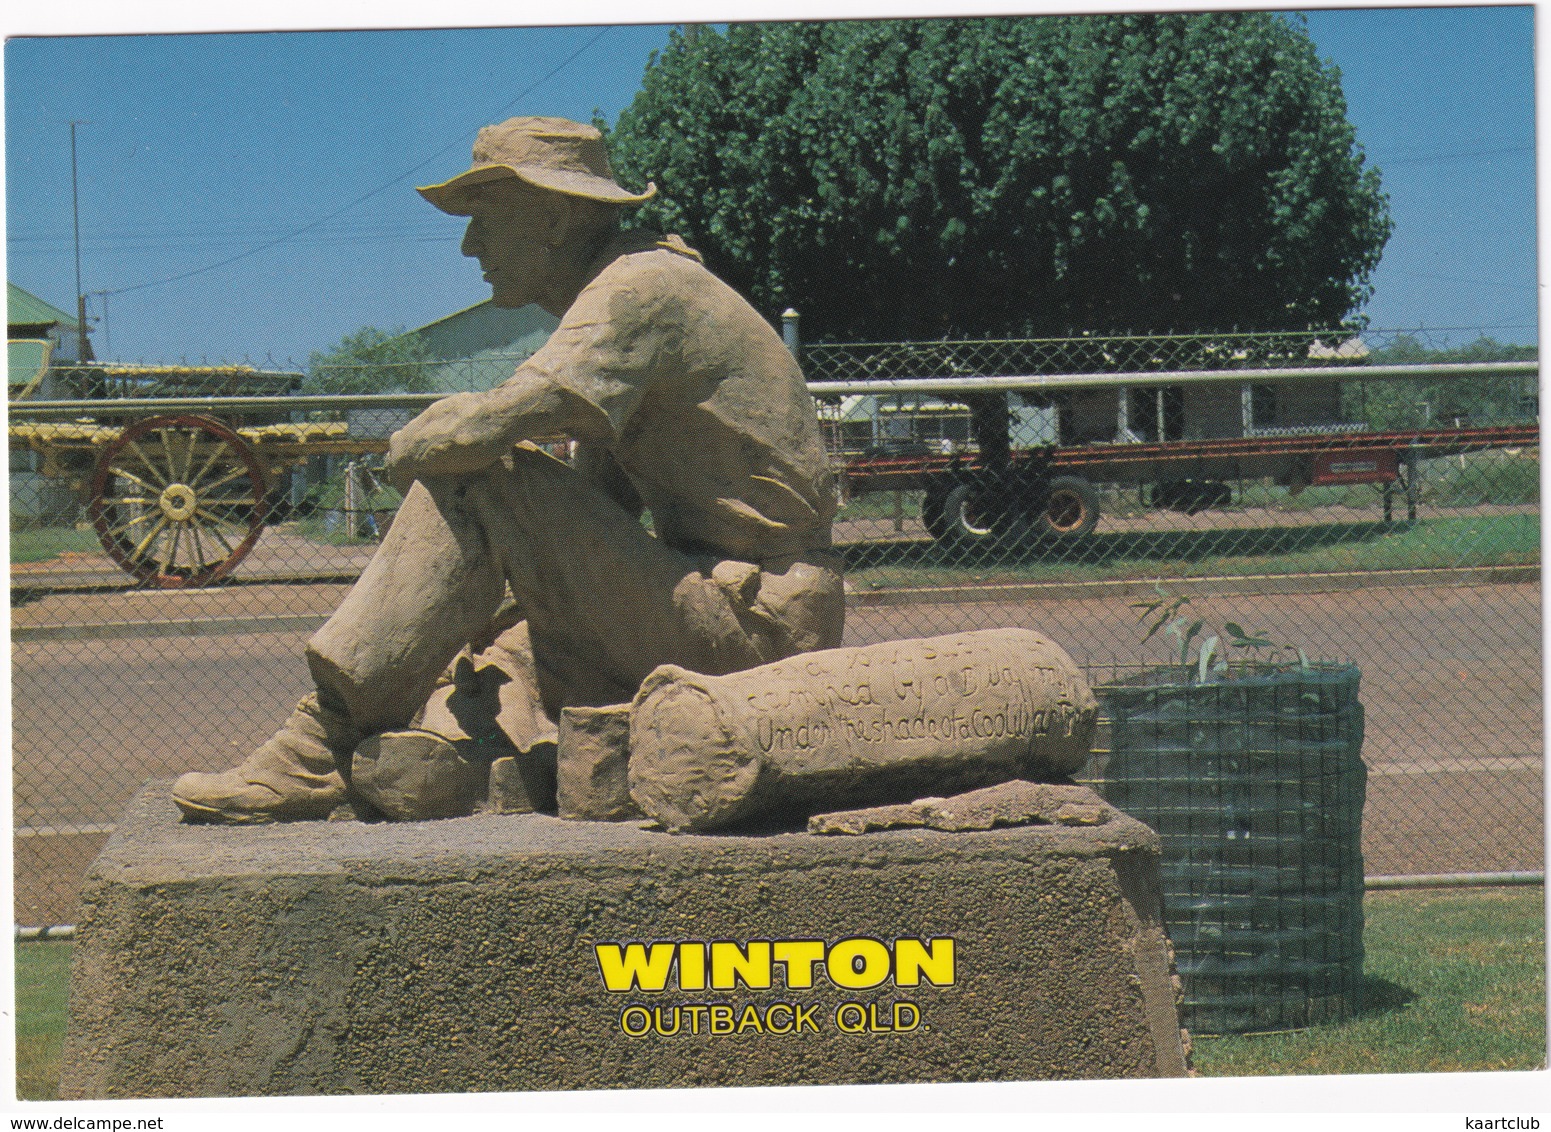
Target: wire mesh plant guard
1255, 783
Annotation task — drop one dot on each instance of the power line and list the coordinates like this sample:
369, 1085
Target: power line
1506, 286
152, 242
232, 230
1420, 158
437, 156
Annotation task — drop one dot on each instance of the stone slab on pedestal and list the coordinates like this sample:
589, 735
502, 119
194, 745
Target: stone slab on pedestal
471, 954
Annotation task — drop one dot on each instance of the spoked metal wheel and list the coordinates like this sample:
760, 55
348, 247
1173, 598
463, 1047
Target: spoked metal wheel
178, 501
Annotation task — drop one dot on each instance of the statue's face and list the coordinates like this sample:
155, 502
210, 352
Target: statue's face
510, 231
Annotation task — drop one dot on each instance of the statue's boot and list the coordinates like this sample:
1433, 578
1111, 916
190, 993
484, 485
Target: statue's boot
292, 777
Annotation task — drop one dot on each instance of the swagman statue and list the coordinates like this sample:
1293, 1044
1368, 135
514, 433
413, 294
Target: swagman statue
512, 585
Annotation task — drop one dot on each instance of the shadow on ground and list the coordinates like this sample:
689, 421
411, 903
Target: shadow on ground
1380, 996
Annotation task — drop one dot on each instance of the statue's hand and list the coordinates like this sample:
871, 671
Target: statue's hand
455, 436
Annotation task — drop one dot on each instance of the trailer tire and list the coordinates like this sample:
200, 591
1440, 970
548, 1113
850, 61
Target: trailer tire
1191, 497
934, 510
1071, 509
967, 522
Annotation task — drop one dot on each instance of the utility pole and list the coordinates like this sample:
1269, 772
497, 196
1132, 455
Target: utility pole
75, 204
107, 327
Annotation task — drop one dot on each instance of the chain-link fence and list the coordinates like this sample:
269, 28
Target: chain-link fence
178, 532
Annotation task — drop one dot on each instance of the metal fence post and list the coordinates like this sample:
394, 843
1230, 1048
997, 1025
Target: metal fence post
789, 334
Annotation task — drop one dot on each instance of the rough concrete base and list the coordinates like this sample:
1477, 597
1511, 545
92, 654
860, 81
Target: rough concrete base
458, 956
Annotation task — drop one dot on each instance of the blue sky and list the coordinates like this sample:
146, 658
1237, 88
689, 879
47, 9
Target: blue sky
197, 149
1443, 101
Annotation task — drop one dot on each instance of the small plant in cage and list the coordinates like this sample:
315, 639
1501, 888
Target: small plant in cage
1251, 772
1207, 655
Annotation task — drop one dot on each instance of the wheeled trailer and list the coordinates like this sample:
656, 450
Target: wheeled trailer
177, 498
1053, 491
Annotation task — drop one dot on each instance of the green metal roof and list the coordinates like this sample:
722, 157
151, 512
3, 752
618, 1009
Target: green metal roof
25, 360
486, 328
26, 309
478, 347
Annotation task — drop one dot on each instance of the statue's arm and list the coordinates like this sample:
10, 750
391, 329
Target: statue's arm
466, 432
598, 464
583, 383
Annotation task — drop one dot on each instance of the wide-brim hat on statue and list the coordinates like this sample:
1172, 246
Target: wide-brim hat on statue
551, 153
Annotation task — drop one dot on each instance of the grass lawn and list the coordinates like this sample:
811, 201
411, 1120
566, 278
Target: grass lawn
42, 990
50, 542
1455, 541
1455, 982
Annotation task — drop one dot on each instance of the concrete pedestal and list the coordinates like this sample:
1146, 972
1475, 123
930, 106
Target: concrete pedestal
473, 954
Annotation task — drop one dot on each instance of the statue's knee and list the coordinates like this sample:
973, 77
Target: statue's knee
808, 601
330, 676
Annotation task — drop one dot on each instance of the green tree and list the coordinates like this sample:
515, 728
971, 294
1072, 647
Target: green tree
919, 179
370, 361
1407, 349
1441, 401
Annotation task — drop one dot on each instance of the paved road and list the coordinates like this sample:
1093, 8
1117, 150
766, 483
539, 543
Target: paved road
1451, 682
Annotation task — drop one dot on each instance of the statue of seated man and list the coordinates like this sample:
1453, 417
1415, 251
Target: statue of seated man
682, 401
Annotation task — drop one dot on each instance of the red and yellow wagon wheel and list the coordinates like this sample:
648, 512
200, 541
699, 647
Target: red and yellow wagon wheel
178, 501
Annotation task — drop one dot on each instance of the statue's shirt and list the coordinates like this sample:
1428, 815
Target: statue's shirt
699, 402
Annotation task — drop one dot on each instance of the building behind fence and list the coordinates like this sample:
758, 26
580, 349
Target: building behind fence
129, 666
